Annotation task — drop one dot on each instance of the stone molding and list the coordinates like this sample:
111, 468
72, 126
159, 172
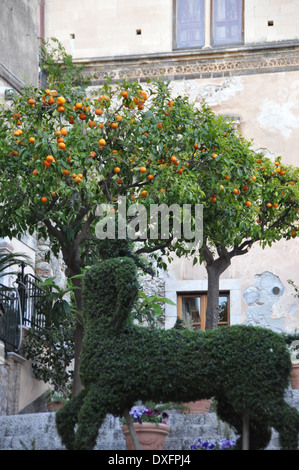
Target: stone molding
190, 64
10, 78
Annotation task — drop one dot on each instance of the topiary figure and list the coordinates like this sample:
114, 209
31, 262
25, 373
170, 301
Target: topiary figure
245, 368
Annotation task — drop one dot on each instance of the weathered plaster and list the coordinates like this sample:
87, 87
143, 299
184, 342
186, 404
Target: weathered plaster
278, 117
264, 307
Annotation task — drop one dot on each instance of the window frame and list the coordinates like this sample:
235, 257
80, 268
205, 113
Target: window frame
174, 30
203, 306
231, 44
208, 31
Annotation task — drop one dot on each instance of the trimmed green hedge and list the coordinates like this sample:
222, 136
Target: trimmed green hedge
245, 368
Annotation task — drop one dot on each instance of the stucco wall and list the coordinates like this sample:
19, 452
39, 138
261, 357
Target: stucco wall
19, 40
97, 28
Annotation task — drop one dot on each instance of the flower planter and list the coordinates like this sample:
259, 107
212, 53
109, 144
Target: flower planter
295, 375
150, 435
199, 406
55, 405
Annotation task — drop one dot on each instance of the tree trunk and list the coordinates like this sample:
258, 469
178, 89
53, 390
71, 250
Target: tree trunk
214, 269
71, 257
77, 386
212, 297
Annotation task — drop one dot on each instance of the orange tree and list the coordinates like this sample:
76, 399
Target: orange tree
64, 151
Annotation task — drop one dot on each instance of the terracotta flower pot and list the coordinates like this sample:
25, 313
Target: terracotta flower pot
199, 406
150, 435
295, 375
55, 405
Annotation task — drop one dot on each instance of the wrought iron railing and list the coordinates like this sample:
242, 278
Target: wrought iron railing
10, 331
21, 306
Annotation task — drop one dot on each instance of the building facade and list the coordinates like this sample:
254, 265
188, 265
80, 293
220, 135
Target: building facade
242, 58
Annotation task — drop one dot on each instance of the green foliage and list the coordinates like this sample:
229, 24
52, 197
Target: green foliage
149, 308
8, 260
51, 347
59, 66
245, 368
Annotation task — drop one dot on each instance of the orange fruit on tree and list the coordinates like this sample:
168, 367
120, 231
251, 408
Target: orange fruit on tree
253, 178
116, 169
60, 139
60, 109
50, 158
98, 111
124, 94
44, 199
78, 105
119, 118
142, 169
34, 172
269, 204
102, 142
144, 193
150, 177
292, 183
31, 140
173, 159
60, 100
214, 155
61, 145
66, 172
248, 203
236, 191
92, 154
31, 101
63, 131
92, 124
119, 181
114, 125
82, 116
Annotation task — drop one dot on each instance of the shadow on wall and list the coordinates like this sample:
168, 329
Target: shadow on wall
261, 299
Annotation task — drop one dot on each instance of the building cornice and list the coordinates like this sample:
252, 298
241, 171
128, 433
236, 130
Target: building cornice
188, 64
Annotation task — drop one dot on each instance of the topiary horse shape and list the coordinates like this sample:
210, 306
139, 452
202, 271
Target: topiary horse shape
245, 368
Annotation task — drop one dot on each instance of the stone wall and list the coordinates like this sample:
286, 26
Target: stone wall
10, 387
38, 431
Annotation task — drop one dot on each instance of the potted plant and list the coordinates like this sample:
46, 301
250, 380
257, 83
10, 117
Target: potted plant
56, 400
151, 428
